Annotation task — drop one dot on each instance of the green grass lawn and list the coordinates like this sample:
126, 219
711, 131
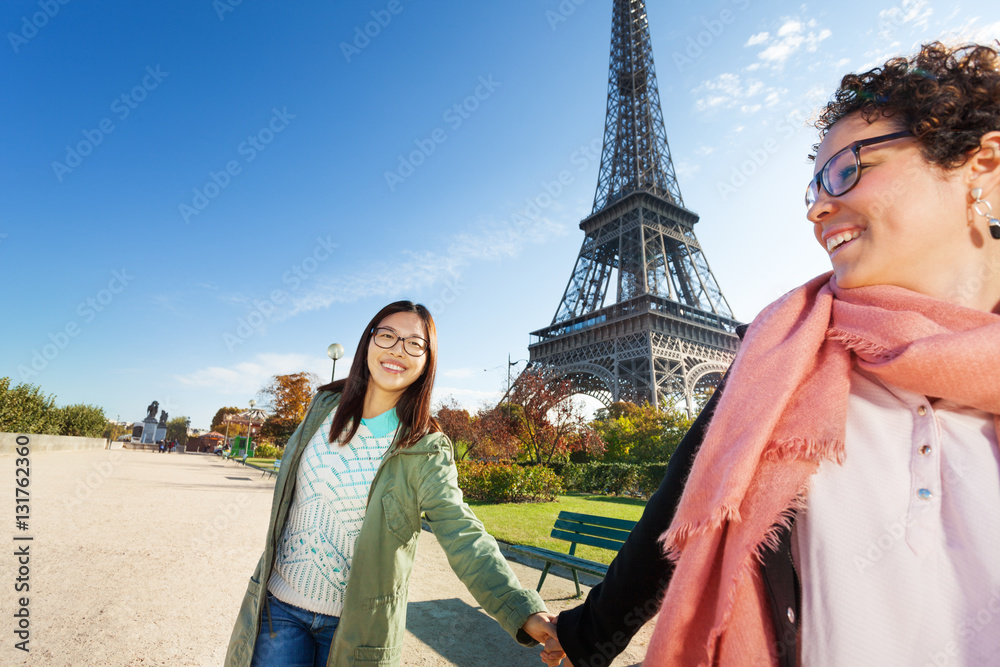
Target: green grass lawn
531, 523
261, 463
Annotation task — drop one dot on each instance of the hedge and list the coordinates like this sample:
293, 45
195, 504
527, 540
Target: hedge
617, 479
503, 483
266, 450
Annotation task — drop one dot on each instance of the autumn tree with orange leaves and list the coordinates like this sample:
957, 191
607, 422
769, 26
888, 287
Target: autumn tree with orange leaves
289, 397
543, 418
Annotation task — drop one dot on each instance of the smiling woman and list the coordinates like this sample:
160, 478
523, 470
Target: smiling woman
363, 466
838, 500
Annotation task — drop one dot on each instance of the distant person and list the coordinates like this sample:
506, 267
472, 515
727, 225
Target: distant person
367, 460
162, 447
838, 501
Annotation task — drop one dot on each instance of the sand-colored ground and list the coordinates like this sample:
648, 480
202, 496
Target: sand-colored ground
142, 558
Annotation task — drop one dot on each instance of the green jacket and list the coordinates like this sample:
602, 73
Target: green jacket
420, 478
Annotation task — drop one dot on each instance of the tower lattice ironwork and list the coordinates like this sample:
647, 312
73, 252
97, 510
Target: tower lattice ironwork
667, 332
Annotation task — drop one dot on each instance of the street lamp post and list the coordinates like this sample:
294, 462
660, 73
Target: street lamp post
509, 365
250, 424
335, 351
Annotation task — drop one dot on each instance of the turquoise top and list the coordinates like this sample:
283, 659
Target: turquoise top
383, 424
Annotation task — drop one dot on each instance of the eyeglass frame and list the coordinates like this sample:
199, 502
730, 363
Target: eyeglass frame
375, 331
817, 181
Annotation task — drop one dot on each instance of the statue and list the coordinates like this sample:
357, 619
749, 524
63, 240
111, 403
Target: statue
163, 418
151, 411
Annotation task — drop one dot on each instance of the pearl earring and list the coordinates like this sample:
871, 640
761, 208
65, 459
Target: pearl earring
978, 205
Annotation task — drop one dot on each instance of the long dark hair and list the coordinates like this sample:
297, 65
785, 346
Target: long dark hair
413, 408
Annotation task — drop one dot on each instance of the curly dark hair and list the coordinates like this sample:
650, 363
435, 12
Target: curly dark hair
948, 97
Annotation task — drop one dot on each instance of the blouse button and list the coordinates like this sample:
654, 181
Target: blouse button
924, 493
791, 615
921, 411
925, 450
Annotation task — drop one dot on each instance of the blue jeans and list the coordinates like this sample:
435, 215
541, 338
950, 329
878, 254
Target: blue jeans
302, 638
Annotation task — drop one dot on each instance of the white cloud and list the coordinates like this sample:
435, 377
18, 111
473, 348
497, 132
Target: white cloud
908, 12
685, 168
792, 36
973, 31
790, 27
249, 376
704, 150
418, 270
730, 91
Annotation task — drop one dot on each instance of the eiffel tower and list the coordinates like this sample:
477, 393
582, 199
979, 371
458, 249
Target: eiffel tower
668, 332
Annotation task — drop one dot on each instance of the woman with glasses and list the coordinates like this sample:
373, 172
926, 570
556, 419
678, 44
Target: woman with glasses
365, 463
838, 500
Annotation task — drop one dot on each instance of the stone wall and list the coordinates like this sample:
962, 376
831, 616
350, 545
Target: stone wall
48, 443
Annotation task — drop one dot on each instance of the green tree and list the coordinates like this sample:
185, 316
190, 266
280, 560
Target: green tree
177, 429
25, 409
640, 433
81, 420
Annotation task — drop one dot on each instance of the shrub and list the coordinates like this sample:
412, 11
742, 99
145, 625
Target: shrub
502, 483
265, 450
617, 479
25, 409
86, 421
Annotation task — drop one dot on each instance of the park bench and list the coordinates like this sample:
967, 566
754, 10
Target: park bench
595, 531
272, 471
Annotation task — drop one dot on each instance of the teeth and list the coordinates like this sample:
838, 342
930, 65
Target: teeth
834, 241
393, 367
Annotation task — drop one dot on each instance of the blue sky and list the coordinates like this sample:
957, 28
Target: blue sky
198, 195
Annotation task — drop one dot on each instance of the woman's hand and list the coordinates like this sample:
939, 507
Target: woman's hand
542, 629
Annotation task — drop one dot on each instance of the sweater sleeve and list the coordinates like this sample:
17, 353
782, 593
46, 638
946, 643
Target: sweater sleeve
637, 578
472, 552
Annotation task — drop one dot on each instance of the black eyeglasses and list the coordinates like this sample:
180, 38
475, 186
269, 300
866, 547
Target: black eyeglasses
843, 171
386, 338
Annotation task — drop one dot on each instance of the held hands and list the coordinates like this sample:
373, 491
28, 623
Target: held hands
542, 628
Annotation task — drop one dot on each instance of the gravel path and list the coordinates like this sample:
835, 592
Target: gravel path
142, 558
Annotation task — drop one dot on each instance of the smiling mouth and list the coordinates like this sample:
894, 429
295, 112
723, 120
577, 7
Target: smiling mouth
835, 242
392, 367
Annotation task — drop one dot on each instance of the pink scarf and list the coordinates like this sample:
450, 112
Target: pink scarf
784, 409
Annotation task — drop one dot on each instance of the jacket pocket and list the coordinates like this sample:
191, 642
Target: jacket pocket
395, 518
378, 655
244, 634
